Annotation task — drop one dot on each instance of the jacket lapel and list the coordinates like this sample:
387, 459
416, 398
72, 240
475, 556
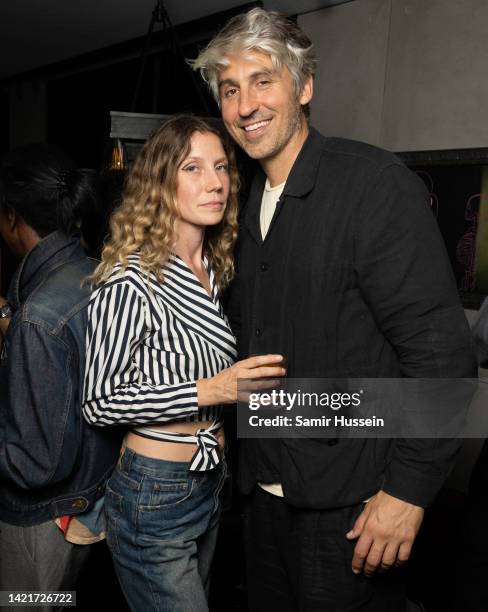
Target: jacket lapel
253, 206
300, 181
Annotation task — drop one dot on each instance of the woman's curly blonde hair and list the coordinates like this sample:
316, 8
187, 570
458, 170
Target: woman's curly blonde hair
145, 220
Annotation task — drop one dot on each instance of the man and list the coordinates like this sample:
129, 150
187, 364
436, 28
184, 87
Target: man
341, 269
53, 466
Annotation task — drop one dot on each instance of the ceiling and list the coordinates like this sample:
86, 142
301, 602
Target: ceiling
35, 33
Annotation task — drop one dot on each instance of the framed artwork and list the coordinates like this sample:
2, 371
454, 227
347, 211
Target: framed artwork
457, 181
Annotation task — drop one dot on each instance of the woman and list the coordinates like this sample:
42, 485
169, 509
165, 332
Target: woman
53, 466
159, 359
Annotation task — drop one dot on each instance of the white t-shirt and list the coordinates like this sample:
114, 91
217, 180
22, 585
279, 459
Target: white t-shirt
270, 198
271, 195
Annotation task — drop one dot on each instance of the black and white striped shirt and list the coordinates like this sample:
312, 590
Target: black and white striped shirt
147, 345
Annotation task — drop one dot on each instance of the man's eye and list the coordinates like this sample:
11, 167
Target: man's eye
264, 82
230, 92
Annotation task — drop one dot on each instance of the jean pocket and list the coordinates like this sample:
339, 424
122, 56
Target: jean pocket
166, 493
113, 501
122, 481
28, 543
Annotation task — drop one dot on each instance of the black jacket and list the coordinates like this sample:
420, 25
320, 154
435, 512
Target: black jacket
352, 280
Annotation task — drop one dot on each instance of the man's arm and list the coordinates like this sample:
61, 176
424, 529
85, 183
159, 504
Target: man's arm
40, 435
386, 529
406, 279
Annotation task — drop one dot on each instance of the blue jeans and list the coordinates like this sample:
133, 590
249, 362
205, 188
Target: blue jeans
162, 529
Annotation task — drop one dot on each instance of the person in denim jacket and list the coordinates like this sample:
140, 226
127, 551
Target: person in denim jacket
52, 464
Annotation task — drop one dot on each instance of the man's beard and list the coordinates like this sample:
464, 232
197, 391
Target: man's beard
281, 140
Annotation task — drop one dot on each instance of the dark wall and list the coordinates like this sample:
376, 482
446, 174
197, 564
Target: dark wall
79, 105
4, 122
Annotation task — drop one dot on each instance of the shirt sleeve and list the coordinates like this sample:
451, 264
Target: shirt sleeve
405, 277
116, 390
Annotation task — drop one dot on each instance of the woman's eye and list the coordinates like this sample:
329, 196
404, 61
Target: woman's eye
222, 167
191, 168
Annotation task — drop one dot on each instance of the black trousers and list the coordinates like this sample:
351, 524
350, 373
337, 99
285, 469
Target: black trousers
300, 561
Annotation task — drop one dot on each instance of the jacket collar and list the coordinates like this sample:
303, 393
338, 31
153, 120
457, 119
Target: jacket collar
303, 173
299, 183
49, 253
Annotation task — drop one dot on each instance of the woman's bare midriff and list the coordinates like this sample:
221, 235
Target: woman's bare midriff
171, 451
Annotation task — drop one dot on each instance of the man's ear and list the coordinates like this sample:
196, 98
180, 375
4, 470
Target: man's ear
307, 91
12, 219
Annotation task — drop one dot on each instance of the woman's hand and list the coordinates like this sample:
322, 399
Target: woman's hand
222, 388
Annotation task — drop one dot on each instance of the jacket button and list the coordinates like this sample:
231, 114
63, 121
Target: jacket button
332, 442
264, 267
258, 332
79, 504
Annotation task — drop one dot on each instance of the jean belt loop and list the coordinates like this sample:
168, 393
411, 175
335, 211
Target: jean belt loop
126, 460
121, 453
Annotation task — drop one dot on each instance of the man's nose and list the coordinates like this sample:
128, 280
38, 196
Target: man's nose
248, 103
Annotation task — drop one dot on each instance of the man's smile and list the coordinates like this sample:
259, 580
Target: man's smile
255, 126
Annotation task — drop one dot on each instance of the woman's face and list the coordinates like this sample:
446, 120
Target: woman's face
202, 184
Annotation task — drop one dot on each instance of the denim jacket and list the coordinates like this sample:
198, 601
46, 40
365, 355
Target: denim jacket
51, 462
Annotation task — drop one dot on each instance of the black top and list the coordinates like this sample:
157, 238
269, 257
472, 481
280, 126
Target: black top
352, 280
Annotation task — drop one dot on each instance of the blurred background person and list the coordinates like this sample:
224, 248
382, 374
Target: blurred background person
53, 466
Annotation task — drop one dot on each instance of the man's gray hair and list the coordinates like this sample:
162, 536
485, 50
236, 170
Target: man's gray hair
265, 32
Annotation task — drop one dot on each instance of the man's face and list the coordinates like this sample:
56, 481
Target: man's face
8, 233
260, 108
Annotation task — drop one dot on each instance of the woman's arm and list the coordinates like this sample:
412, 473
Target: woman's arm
114, 392
223, 387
